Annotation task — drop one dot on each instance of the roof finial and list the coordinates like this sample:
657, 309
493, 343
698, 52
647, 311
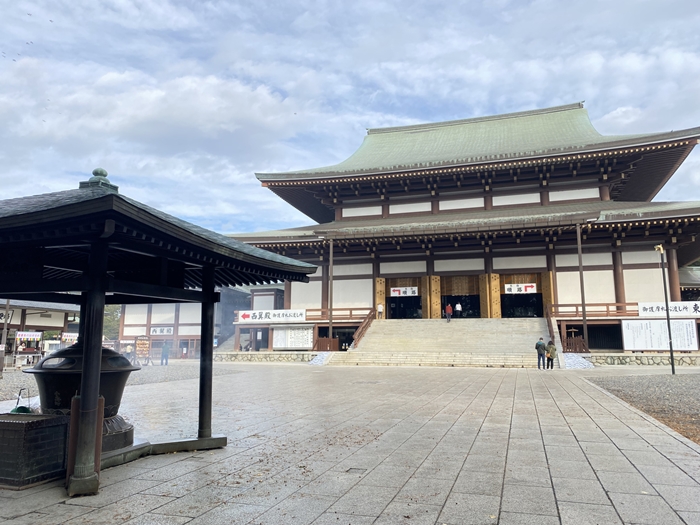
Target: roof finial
99, 179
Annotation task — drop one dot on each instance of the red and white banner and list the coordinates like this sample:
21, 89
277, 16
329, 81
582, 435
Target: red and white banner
403, 291
28, 336
271, 316
521, 288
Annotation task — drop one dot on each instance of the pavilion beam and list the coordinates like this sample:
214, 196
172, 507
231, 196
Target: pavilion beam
152, 291
21, 286
84, 479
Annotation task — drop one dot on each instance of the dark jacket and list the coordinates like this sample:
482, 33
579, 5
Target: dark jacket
540, 347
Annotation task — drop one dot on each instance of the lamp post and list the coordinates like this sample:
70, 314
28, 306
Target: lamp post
660, 248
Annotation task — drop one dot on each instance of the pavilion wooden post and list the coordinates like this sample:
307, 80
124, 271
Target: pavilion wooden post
674, 283
206, 361
330, 294
581, 283
619, 279
84, 479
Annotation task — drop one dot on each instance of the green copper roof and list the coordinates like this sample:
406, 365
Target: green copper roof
552, 131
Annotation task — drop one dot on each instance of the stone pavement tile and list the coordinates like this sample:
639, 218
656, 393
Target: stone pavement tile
219, 454
599, 449
632, 444
527, 444
484, 463
268, 493
580, 491
570, 469
307, 470
332, 518
365, 500
591, 436
199, 501
31, 491
666, 476
358, 460
171, 471
56, 514
560, 440
441, 467
523, 475
428, 491
298, 509
528, 500
388, 476
680, 498
13, 507
611, 464
564, 453
333, 483
121, 511
524, 458
513, 518
404, 457
691, 518
625, 483
158, 519
115, 474
586, 514
644, 510
229, 514
644, 457
183, 485
468, 509
161, 460
474, 482
403, 512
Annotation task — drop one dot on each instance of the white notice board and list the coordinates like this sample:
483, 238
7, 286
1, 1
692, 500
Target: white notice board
290, 338
652, 334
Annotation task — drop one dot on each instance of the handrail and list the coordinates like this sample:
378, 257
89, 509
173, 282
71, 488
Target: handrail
360, 332
596, 310
550, 323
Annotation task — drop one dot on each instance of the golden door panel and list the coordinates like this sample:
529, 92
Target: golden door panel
459, 285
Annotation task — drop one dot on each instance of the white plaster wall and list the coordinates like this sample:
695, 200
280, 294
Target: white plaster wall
263, 302
162, 314
529, 261
190, 313
570, 195
525, 198
410, 208
642, 257
459, 265
306, 295
361, 212
189, 330
644, 285
352, 269
135, 314
589, 259
403, 267
35, 318
134, 330
600, 287
353, 293
461, 204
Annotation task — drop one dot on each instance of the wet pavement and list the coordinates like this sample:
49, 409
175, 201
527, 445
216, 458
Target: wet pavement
391, 445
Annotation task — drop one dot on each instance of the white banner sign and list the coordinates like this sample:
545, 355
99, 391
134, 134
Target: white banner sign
676, 309
521, 288
271, 316
162, 330
652, 334
28, 336
405, 291
9, 316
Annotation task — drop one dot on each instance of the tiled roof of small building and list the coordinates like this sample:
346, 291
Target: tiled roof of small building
522, 135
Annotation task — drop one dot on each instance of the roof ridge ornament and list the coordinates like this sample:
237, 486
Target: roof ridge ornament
99, 179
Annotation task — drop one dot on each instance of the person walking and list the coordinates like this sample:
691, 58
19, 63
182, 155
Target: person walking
380, 310
448, 312
165, 353
458, 309
541, 351
551, 353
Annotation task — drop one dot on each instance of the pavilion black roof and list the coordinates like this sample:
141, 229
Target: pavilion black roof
49, 236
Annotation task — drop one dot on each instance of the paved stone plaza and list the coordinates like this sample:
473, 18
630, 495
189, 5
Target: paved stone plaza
335, 445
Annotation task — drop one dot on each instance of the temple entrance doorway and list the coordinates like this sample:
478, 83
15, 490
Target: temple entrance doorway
462, 289
404, 298
521, 295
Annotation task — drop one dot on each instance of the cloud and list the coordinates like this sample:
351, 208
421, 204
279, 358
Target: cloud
182, 102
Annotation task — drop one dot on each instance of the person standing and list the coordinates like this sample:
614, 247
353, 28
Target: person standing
165, 353
380, 310
551, 354
448, 312
458, 309
541, 351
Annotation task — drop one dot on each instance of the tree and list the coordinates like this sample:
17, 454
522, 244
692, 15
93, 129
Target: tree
113, 313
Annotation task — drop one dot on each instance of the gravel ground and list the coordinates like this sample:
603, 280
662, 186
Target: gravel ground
12, 381
673, 400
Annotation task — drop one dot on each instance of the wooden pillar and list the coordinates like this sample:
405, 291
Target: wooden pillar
484, 296
552, 268
618, 278
330, 293
547, 290
324, 287
435, 297
85, 479
287, 295
674, 283
425, 296
206, 360
544, 197
380, 295
495, 295
236, 338
605, 192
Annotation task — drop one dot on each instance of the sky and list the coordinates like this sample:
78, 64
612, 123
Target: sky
183, 101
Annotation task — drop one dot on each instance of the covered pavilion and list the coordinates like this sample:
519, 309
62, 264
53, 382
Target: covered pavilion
93, 246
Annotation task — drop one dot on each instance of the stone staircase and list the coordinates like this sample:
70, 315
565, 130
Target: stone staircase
497, 343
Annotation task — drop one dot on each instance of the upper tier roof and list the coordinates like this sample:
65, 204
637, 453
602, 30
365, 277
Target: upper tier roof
522, 135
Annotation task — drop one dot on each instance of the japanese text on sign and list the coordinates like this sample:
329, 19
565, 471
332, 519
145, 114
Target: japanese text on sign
675, 308
271, 316
161, 330
405, 291
521, 288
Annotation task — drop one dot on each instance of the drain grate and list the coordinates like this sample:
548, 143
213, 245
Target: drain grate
356, 470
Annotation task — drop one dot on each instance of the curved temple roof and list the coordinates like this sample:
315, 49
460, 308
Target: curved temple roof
551, 131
